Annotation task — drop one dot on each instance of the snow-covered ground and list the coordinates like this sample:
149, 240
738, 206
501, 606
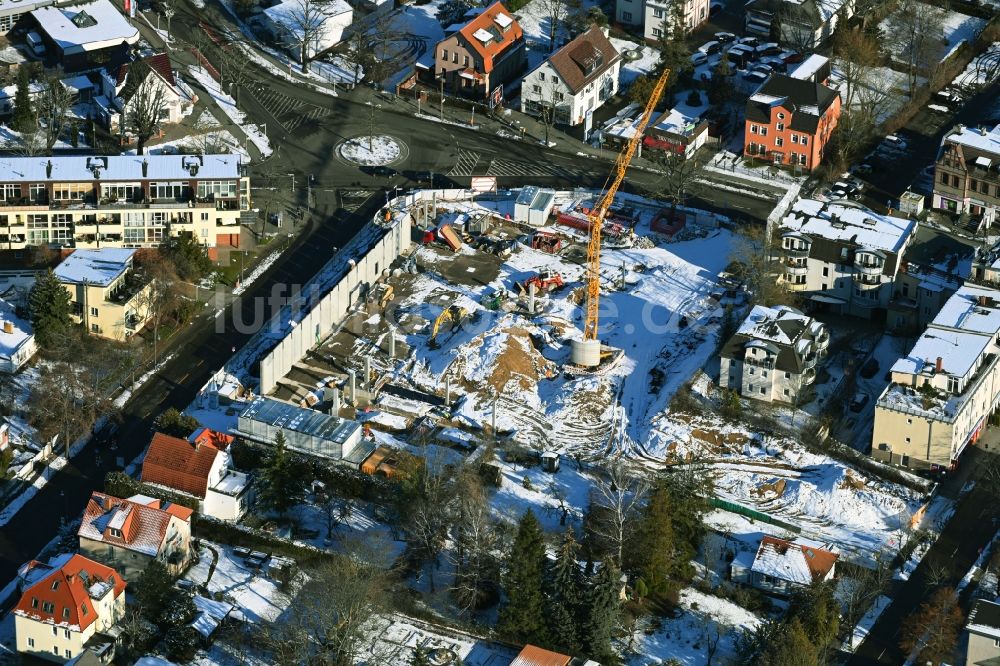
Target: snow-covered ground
228, 106
982, 70
257, 271
253, 592
647, 61
883, 87
370, 151
951, 29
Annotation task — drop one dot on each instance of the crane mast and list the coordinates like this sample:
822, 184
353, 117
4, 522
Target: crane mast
596, 216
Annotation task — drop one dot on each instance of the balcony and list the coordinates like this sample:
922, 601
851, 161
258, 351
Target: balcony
822, 341
809, 376
796, 269
795, 252
810, 360
866, 282
135, 282
758, 363
868, 268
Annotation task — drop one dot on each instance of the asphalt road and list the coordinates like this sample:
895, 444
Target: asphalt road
199, 351
956, 550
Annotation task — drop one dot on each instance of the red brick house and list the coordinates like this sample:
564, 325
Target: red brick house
789, 121
486, 52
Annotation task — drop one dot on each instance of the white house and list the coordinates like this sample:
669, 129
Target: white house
289, 20
655, 16
780, 567
17, 340
178, 99
85, 35
575, 80
773, 355
66, 606
201, 468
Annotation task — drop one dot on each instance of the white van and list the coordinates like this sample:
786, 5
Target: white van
35, 44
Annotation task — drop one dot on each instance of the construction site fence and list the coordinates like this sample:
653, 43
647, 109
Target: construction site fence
732, 507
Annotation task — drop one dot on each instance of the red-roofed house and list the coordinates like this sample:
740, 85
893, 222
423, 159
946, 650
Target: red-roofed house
780, 567
158, 75
72, 602
198, 468
130, 533
532, 655
485, 53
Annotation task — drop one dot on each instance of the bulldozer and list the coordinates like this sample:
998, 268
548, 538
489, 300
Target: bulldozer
544, 282
382, 294
455, 314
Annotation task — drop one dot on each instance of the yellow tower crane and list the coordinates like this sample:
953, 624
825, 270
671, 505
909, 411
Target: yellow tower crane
589, 350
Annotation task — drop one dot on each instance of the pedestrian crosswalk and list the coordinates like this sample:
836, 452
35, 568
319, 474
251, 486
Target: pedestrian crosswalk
471, 163
289, 111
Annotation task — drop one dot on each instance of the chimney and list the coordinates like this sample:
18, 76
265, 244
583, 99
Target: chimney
69, 579
48, 169
939, 366
145, 168
8, 327
982, 300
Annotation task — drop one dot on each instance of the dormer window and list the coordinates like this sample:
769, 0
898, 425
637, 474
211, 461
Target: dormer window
954, 385
83, 610
55, 585
117, 533
65, 612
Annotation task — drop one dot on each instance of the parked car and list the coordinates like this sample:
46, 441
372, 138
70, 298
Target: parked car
858, 402
846, 190
754, 77
710, 48
35, 43
895, 142
741, 56
775, 63
791, 57
862, 169
768, 49
725, 37
762, 69
715, 8
869, 369
752, 42
698, 58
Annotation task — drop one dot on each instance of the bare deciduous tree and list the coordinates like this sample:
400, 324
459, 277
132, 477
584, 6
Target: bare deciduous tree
556, 11
53, 105
145, 103
476, 540
677, 175
615, 501
915, 29
308, 23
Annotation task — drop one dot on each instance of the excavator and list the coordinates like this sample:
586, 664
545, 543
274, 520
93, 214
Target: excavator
455, 314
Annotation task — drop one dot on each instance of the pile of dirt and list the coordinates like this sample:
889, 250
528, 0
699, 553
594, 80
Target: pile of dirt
720, 442
517, 361
775, 487
850, 482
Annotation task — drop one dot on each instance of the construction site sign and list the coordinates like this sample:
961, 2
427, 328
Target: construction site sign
484, 184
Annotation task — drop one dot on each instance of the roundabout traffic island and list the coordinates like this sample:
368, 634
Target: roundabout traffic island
377, 150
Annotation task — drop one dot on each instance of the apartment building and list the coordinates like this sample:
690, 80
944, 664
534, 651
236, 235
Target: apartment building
108, 295
967, 174
946, 388
575, 80
802, 24
66, 606
85, 35
773, 355
482, 56
656, 17
82, 201
789, 121
841, 256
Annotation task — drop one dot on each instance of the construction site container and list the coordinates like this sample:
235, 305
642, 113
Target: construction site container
523, 203
541, 208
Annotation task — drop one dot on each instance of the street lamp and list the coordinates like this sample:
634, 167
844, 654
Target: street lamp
292, 176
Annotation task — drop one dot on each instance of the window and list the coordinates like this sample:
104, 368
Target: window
49, 607
465, 60
657, 32
657, 13
536, 89
115, 532
444, 54
826, 271
31, 642
560, 96
779, 142
781, 116
953, 385
752, 371
93, 312
909, 421
94, 328
67, 651
216, 188
168, 190
555, 79
55, 649
762, 390
71, 191
10, 191
763, 373
83, 607
944, 179
780, 127
38, 193
795, 138
66, 631
541, 76
804, 140
907, 440
763, 131
751, 388
627, 17
788, 375
786, 391
66, 616
204, 217
996, 642
754, 129
454, 57
121, 191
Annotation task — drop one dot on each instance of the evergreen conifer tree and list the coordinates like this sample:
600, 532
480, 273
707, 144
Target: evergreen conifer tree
522, 619
420, 657
24, 119
564, 585
281, 480
49, 308
653, 551
601, 613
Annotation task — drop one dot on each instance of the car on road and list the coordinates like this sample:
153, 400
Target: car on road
725, 37
383, 171
858, 402
710, 48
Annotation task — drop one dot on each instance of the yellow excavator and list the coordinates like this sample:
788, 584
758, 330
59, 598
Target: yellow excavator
455, 314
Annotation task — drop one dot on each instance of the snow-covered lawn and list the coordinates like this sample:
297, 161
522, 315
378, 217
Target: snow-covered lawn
647, 61
951, 28
370, 151
228, 106
883, 86
256, 595
685, 638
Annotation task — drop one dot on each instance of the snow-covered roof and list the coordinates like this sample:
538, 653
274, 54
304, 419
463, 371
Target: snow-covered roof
20, 331
984, 619
965, 311
21, 6
210, 614
143, 526
793, 562
89, 26
675, 122
762, 324
70, 168
99, 267
958, 350
976, 137
849, 223
808, 67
